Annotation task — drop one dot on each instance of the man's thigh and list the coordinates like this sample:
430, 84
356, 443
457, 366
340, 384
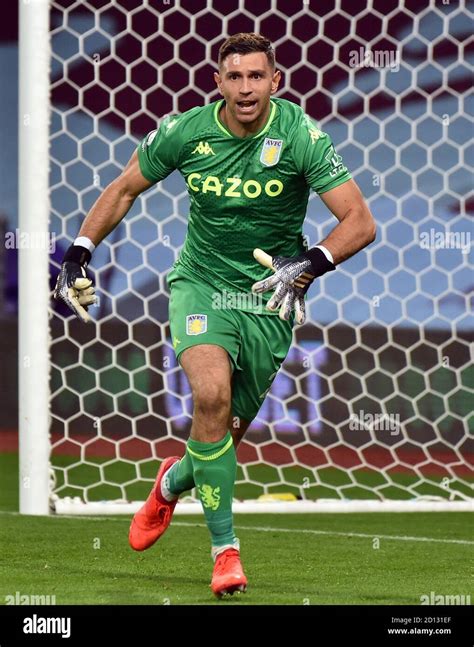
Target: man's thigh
256, 344
194, 321
265, 341
208, 368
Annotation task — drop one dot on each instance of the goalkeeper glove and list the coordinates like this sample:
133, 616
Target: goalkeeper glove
73, 286
292, 279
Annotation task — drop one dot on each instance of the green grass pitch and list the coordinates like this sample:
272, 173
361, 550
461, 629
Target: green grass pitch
311, 559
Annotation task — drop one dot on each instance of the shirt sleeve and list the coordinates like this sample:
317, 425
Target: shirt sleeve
159, 151
317, 159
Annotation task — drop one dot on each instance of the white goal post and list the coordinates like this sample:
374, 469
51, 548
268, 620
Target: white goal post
372, 410
34, 342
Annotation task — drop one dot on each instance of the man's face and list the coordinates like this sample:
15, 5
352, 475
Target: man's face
246, 82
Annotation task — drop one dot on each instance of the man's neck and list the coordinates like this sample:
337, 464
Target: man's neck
242, 129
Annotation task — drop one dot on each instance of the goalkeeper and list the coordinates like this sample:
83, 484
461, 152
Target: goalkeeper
249, 162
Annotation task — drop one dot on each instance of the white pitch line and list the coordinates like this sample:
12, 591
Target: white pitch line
334, 533
331, 533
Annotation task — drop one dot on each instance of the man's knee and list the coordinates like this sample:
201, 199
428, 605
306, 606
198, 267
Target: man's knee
212, 399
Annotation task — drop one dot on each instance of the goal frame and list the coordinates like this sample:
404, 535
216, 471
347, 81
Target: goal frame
34, 336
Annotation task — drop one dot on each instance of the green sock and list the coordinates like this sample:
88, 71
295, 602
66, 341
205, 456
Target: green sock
215, 470
179, 477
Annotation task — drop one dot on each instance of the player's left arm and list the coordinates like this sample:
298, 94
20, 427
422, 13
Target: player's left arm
316, 159
293, 276
356, 228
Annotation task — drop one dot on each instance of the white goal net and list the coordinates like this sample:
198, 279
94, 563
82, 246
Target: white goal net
374, 401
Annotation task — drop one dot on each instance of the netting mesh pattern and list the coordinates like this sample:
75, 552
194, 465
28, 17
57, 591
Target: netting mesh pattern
375, 397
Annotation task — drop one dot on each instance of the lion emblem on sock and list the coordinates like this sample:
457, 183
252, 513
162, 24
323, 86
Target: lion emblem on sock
210, 496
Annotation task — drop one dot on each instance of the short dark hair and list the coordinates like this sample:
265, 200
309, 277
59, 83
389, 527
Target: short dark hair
247, 43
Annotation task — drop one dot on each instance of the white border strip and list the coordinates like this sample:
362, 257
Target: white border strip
74, 506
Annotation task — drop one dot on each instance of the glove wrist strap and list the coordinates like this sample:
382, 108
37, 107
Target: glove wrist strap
83, 241
77, 254
319, 263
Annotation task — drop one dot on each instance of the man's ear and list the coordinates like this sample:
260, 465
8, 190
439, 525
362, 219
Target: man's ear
217, 79
276, 81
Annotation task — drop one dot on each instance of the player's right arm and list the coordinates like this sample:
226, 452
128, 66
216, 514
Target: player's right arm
155, 158
73, 287
114, 202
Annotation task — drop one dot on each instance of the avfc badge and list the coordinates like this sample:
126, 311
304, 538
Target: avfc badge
196, 324
271, 151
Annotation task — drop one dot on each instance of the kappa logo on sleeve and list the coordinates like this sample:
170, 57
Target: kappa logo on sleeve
315, 134
271, 151
196, 324
313, 130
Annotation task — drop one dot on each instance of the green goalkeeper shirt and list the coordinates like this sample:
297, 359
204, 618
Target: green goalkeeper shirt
245, 192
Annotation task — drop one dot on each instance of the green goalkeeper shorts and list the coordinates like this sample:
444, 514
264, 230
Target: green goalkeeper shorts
257, 344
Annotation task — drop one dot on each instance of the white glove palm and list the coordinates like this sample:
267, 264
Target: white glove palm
291, 281
75, 289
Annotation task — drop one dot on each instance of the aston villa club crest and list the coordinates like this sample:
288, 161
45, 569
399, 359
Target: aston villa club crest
196, 324
271, 151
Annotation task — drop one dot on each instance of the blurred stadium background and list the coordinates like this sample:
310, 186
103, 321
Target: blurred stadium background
390, 332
